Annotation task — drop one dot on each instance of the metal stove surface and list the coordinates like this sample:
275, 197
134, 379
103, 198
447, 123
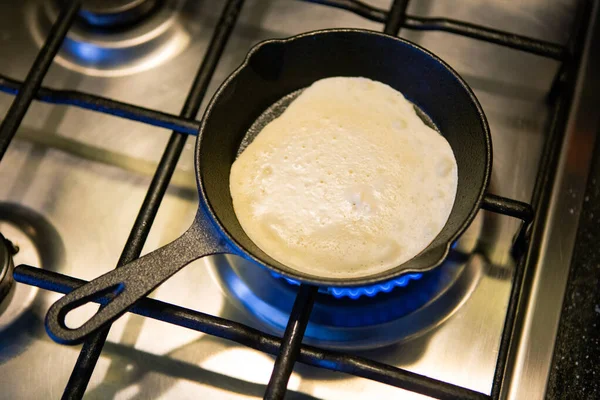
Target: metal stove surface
85, 175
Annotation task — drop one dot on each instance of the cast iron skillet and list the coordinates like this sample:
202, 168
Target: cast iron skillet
272, 70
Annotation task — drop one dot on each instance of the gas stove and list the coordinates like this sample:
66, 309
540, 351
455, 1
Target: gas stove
82, 180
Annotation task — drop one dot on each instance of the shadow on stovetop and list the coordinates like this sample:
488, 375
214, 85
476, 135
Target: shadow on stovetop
130, 366
402, 354
18, 336
398, 355
146, 363
134, 367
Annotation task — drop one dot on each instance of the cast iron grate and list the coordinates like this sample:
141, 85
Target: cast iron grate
290, 349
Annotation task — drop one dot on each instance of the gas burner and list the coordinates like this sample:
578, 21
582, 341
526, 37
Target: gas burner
7, 250
360, 318
116, 37
19, 298
38, 243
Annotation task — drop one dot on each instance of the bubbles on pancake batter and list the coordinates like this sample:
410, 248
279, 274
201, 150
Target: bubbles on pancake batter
357, 184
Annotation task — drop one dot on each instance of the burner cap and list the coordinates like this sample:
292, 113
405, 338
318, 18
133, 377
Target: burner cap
6, 267
115, 13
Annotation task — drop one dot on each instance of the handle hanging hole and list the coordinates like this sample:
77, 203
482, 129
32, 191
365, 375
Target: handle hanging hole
79, 316
76, 317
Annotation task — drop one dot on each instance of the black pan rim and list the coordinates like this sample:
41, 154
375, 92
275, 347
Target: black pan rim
332, 281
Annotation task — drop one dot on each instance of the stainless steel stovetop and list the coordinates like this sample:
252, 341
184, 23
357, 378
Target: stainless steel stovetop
73, 181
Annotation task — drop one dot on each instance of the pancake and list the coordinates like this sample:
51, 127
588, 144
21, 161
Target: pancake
347, 182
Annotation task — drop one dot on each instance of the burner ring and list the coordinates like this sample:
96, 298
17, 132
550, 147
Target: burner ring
114, 40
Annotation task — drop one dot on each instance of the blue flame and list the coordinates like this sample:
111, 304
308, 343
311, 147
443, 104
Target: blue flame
87, 52
369, 291
372, 290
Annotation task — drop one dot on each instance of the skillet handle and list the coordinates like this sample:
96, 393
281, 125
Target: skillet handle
126, 285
